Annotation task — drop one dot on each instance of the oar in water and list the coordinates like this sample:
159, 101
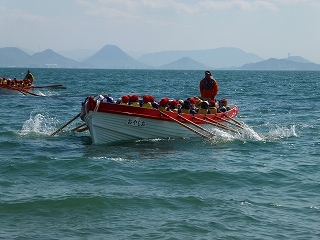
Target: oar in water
23, 91
197, 125
234, 124
63, 126
81, 128
184, 125
241, 125
217, 124
52, 86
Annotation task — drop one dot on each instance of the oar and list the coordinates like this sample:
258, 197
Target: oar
51, 86
80, 128
197, 125
184, 125
76, 128
236, 123
217, 124
62, 127
23, 91
241, 125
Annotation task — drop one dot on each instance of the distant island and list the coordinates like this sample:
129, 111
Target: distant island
112, 57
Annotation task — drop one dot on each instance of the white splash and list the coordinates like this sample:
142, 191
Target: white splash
282, 132
39, 124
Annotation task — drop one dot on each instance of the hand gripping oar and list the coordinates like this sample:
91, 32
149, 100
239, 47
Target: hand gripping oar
184, 125
197, 125
62, 127
217, 124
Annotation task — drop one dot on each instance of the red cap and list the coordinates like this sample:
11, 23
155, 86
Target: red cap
145, 98
125, 99
192, 100
134, 98
151, 98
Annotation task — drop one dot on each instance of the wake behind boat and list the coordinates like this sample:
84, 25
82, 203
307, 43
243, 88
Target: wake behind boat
110, 121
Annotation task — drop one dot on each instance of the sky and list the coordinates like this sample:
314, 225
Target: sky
267, 28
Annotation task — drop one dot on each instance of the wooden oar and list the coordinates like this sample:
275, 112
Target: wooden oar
81, 128
76, 128
241, 125
184, 125
51, 86
63, 126
217, 124
23, 91
197, 125
236, 123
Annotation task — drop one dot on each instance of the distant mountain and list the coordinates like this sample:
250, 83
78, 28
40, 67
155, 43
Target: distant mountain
185, 63
297, 59
281, 64
112, 57
214, 58
14, 57
49, 58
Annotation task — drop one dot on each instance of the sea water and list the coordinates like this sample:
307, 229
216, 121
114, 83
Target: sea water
261, 184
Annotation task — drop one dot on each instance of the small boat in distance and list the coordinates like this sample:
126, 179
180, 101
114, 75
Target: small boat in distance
15, 86
113, 122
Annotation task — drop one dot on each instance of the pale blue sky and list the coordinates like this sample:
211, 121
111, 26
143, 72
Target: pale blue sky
268, 28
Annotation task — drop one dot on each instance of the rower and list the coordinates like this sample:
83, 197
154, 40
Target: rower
146, 102
29, 76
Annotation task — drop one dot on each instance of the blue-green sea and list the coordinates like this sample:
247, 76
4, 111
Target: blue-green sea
230, 187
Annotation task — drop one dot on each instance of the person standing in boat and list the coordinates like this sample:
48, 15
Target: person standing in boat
29, 77
208, 87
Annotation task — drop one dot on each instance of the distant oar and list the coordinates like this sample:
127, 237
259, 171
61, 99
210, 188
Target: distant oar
52, 86
23, 91
63, 126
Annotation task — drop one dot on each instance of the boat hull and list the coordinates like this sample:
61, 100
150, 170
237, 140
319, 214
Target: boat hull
110, 122
11, 90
